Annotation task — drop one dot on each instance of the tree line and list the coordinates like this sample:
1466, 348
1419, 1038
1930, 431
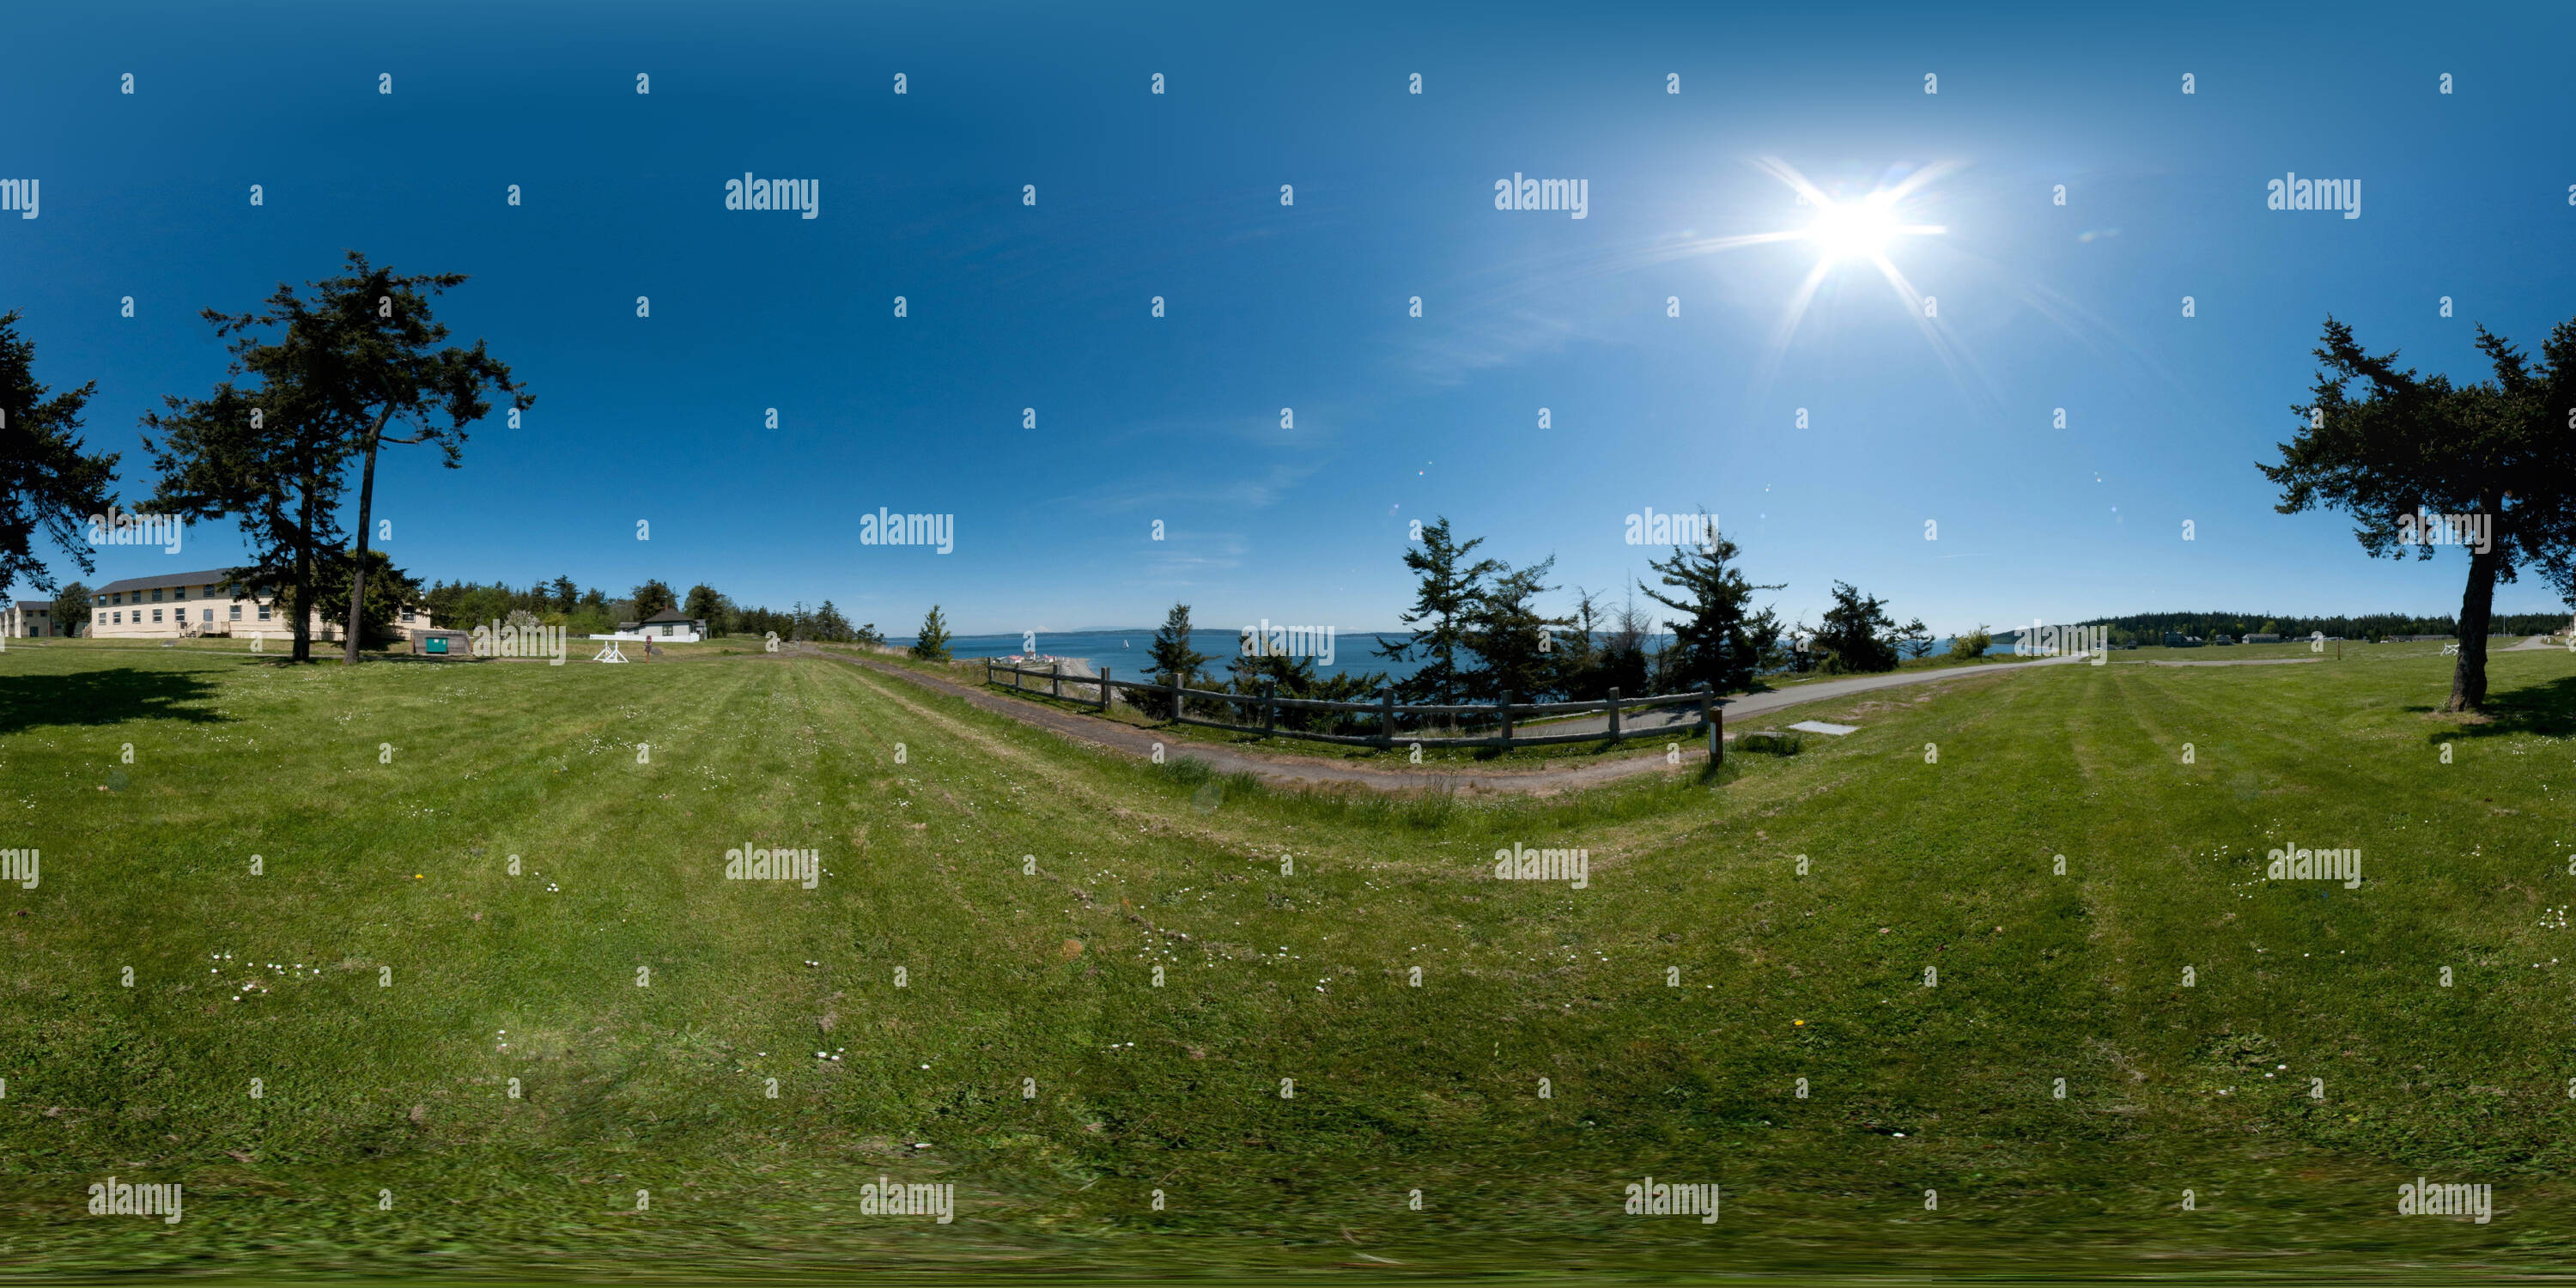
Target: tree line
1478, 634
563, 602
2151, 628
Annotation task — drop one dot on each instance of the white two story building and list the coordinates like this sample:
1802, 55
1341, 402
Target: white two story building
31, 619
183, 604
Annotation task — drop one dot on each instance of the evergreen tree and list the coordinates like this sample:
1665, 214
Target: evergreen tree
71, 609
1295, 677
707, 606
356, 357
273, 458
1513, 641
2411, 445
1718, 641
1171, 652
1914, 639
932, 644
830, 625
1856, 633
1628, 659
1802, 656
1578, 653
1447, 590
650, 598
46, 481
389, 589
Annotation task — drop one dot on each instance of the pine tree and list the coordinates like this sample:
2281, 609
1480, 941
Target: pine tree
46, 480
650, 598
2497, 451
272, 460
1914, 639
932, 644
1855, 634
1718, 641
1513, 641
71, 609
1172, 653
830, 625
1447, 591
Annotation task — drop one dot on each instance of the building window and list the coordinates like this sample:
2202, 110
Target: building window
156, 594
205, 614
156, 614
178, 592
116, 619
263, 612
237, 612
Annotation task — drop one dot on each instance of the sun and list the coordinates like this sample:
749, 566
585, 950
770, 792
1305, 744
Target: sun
1862, 233
1854, 229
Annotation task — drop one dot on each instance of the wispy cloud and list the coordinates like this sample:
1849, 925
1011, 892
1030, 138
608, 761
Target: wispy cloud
1259, 489
1186, 557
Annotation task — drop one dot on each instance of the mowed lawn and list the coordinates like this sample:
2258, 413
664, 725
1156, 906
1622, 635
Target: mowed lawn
951, 982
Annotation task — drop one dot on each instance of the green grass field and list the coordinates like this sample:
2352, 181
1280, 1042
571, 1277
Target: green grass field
385, 805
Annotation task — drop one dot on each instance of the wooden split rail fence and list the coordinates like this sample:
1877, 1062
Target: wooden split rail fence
1390, 716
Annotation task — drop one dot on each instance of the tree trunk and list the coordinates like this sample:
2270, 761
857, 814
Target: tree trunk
303, 582
2477, 609
366, 506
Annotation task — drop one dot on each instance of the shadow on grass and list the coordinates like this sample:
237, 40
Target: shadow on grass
2545, 709
102, 698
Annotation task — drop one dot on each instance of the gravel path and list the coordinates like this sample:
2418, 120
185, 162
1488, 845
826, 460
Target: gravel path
1306, 771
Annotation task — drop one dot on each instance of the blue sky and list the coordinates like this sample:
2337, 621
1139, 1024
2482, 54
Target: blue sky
1396, 418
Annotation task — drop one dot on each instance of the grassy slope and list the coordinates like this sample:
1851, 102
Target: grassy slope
1913, 864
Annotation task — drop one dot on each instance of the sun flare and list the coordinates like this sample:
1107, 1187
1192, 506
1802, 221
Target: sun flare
1854, 229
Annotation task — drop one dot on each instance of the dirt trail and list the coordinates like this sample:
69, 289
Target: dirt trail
1305, 771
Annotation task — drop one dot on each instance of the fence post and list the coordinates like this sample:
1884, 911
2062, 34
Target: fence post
1104, 690
1710, 716
1269, 707
988, 672
1612, 702
1386, 713
1506, 712
1176, 697
1055, 676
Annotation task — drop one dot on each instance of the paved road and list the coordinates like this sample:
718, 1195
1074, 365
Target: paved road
1305, 771
1745, 705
